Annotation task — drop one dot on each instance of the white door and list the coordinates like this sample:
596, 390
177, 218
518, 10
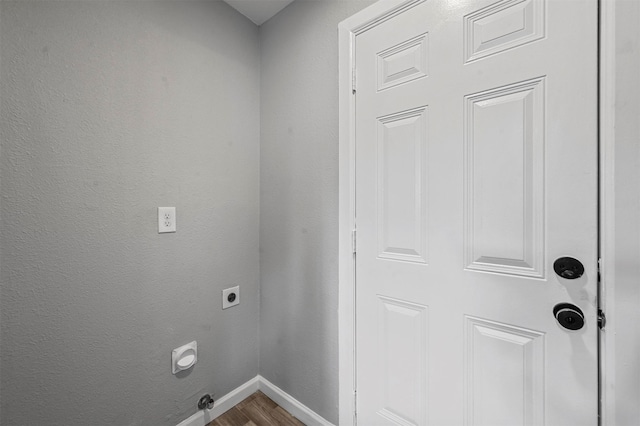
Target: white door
476, 168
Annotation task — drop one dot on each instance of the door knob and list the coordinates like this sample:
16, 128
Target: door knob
569, 316
568, 268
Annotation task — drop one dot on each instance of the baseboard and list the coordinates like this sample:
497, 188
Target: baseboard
222, 405
283, 399
289, 403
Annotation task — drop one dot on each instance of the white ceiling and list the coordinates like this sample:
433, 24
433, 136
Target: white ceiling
259, 11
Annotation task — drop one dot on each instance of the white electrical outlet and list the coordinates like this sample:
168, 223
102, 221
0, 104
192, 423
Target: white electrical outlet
230, 297
166, 219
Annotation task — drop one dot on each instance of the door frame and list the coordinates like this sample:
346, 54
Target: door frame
347, 32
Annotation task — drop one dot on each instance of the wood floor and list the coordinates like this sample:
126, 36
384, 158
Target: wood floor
257, 410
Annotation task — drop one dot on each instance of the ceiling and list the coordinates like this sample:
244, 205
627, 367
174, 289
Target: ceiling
259, 11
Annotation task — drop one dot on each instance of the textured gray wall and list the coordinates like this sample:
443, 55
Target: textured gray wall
110, 109
299, 201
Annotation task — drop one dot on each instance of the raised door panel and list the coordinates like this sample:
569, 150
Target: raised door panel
401, 195
502, 26
504, 180
404, 62
402, 354
504, 374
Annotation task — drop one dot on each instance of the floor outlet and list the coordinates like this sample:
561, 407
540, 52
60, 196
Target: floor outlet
230, 297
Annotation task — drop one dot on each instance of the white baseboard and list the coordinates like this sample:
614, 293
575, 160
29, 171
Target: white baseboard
280, 397
222, 405
292, 405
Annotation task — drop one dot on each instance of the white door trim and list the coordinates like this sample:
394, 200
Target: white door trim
369, 18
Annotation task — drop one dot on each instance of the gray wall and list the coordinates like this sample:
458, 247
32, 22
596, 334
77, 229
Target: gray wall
299, 201
109, 110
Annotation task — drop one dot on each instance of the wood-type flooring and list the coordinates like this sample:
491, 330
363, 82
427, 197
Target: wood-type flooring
256, 410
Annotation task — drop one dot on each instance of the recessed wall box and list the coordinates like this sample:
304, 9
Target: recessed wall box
184, 357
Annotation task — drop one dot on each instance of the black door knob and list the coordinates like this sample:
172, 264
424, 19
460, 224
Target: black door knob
568, 268
569, 316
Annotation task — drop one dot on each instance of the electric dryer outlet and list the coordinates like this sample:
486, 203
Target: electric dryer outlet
230, 297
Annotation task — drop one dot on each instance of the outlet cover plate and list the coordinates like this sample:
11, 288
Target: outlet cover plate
225, 297
166, 219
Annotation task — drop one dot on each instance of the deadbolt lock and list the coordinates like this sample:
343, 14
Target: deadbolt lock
568, 268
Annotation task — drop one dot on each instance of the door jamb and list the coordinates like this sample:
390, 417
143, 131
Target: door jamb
347, 32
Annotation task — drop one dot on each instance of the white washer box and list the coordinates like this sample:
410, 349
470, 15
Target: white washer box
184, 357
